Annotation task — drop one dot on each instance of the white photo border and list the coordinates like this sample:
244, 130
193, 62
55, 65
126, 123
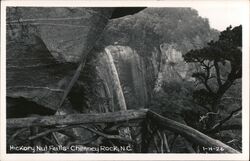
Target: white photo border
242, 4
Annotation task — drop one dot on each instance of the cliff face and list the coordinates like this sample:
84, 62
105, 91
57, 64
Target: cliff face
147, 49
44, 46
172, 67
141, 77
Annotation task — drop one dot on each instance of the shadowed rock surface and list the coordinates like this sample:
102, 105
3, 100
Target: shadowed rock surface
44, 46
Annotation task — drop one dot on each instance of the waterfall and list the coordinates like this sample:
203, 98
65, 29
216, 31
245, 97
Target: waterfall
117, 85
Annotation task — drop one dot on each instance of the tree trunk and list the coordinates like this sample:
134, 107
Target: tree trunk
215, 109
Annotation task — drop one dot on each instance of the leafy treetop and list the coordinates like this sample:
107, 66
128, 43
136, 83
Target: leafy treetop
221, 65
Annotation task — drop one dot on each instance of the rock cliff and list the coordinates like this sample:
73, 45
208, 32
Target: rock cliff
146, 58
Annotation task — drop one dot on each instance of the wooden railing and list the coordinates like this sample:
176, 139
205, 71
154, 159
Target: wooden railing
150, 122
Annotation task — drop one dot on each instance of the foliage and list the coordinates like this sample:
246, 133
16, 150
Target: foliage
214, 78
175, 101
153, 26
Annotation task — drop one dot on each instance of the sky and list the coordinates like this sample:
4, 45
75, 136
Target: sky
221, 16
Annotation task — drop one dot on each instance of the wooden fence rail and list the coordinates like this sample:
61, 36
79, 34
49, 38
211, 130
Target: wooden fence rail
72, 119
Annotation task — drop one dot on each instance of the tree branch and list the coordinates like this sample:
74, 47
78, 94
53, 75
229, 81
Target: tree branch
16, 134
161, 140
232, 98
201, 105
224, 87
217, 73
44, 133
218, 125
173, 140
116, 137
224, 128
204, 80
166, 142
